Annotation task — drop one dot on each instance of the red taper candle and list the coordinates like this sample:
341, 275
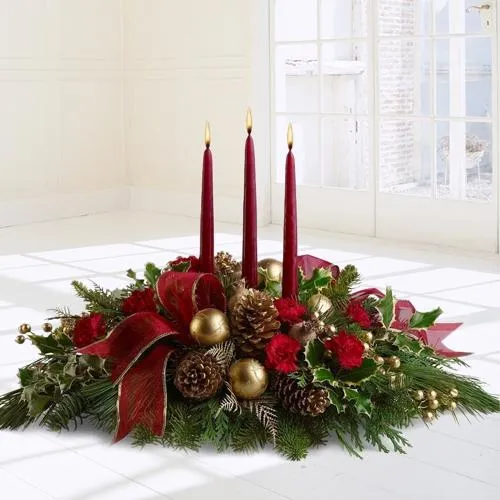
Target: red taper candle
290, 224
249, 258
207, 209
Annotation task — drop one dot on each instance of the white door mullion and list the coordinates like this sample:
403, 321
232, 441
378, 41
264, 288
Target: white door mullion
457, 79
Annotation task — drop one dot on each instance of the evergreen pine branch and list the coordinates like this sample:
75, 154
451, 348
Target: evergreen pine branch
14, 411
97, 299
101, 398
248, 434
340, 290
293, 440
59, 414
266, 414
184, 429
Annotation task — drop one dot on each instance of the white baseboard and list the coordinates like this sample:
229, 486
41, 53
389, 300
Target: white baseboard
41, 209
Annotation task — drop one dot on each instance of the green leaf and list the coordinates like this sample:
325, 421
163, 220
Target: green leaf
411, 345
361, 402
132, 274
425, 319
314, 353
152, 273
361, 374
36, 402
336, 401
25, 376
386, 307
324, 375
319, 280
46, 345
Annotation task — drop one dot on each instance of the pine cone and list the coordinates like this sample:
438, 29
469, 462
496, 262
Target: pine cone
226, 265
198, 376
254, 321
309, 400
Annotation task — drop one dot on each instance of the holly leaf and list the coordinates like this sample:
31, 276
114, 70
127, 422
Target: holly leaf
324, 375
314, 353
46, 345
361, 374
425, 319
411, 345
386, 307
36, 402
152, 273
336, 401
319, 280
361, 402
25, 376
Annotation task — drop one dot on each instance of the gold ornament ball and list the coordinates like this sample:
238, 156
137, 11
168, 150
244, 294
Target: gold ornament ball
274, 269
428, 416
319, 303
209, 327
366, 346
452, 405
431, 395
454, 393
433, 404
332, 329
47, 327
368, 336
419, 395
20, 339
379, 360
395, 362
249, 379
24, 328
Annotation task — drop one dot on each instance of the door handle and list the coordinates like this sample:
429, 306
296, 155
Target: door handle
484, 6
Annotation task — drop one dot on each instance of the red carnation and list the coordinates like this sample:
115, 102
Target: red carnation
348, 349
290, 311
281, 353
358, 314
185, 264
88, 329
140, 301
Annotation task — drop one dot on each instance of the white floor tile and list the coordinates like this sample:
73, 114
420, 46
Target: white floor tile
16, 261
46, 272
381, 266
487, 295
16, 488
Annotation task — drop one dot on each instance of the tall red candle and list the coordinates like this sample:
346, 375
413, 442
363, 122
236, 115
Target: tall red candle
290, 224
249, 260
207, 210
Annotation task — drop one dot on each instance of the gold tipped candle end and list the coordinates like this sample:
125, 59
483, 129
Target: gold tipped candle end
289, 136
207, 134
249, 122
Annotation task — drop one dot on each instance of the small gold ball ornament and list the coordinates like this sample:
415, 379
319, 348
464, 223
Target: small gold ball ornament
368, 336
24, 328
332, 329
433, 404
431, 395
419, 395
379, 360
47, 327
209, 326
366, 346
454, 393
249, 378
452, 406
319, 303
20, 339
428, 416
394, 362
274, 269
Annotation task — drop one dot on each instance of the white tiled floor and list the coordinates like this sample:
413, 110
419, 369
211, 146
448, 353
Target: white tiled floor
447, 462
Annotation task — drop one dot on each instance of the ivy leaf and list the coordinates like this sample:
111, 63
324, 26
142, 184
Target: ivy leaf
425, 319
46, 345
324, 375
361, 402
36, 402
361, 374
314, 353
336, 401
25, 376
386, 307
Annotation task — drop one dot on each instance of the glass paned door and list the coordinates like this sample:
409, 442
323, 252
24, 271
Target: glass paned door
394, 108
322, 67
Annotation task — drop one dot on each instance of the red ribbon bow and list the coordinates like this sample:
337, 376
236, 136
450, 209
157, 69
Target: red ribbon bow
140, 355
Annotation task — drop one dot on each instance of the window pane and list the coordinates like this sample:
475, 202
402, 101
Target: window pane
345, 152
406, 156
478, 76
295, 20
404, 17
461, 16
404, 76
343, 18
297, 78
345, 82
305, 148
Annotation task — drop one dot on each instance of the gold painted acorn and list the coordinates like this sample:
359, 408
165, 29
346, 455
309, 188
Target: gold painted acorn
319, 303
274, 269
24, 328
249, 378
47, 327
209, 326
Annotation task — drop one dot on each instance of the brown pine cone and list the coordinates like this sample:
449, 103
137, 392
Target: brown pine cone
308, 401
254, 321
198, 376
227, 265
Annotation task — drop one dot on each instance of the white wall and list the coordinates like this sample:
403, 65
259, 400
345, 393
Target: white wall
187, 62
61, 108
97, 95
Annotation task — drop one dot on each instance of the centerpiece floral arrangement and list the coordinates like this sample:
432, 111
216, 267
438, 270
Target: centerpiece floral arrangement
242, 354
